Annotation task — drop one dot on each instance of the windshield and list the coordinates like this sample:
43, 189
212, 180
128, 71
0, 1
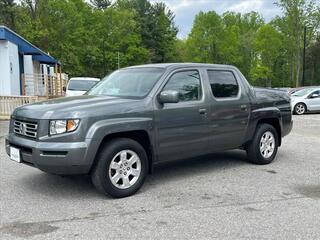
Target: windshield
302, 92
81, 85
136, 82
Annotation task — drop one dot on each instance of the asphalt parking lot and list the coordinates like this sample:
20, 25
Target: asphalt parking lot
219, 196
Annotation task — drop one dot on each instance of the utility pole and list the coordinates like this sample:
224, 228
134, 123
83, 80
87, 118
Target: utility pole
304, 55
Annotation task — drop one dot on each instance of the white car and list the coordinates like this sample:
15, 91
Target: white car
306, 100
80, 85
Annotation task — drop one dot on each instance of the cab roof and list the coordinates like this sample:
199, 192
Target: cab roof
180, 65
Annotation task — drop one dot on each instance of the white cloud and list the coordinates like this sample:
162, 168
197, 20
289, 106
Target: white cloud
246, 6
179, 5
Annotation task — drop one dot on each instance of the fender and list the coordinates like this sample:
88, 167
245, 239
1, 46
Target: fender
261, 114
99, 130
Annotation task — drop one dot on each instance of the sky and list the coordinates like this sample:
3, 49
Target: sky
185, 10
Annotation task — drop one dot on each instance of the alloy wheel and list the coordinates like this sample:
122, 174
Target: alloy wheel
267, 144
300, 109
125, 169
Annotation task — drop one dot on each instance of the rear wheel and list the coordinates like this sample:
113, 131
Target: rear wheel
264, 146
300, 109
121, 168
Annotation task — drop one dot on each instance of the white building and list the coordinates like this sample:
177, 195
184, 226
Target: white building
25, 69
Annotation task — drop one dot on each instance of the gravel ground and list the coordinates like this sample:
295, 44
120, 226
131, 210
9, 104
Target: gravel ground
219, 196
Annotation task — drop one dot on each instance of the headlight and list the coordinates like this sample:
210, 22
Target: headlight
63, 126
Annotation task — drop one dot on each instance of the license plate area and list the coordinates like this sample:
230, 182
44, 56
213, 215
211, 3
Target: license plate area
15, 154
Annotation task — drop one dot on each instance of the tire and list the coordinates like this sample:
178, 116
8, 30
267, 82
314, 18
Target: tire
113, 173
255, 149
300, 109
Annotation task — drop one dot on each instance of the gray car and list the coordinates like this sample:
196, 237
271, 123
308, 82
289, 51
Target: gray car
140, 116
306, 100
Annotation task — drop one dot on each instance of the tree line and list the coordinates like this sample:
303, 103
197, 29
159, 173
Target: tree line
93, 38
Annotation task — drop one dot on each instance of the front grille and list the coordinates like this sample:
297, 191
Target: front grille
28, 129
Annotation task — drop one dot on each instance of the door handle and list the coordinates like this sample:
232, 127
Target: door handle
203, 111
244, 108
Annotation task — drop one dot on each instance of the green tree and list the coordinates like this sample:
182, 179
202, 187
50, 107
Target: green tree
156, 26
179, 53
205, 39
297, 15
8, 13
241, 30
57, 26
95, 37
313, 62
118, 40
86, 40
267, 46
164, 33
225, 39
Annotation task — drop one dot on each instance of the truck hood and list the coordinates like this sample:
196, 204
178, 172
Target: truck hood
73, 107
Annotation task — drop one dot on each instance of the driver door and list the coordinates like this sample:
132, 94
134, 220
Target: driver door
182, 128
313, 103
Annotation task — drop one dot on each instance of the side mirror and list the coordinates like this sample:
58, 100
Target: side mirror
64, 89
314, 95
169, 96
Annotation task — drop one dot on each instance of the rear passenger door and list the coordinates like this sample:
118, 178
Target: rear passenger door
229, 109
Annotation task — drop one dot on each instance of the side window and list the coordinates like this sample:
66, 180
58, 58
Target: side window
223, 84
315, 92
187, 83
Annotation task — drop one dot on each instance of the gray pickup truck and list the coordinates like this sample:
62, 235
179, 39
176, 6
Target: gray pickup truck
144, 115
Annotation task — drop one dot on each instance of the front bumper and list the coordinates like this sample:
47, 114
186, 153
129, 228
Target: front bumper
53, 157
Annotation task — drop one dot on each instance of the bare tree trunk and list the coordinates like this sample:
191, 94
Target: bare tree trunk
312, 71
293, 68
298, 69
292, 71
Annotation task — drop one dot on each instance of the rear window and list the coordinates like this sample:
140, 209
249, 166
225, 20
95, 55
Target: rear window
81, 85
223, 84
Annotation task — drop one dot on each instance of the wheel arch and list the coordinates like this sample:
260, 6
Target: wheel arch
270, 115
273, 122
140, 136
139, 129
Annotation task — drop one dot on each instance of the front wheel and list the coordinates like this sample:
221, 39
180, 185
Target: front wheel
121, 168
264, 145
300, 109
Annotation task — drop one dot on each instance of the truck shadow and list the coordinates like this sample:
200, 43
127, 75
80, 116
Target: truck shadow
67, 187
176, 170
70, 187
